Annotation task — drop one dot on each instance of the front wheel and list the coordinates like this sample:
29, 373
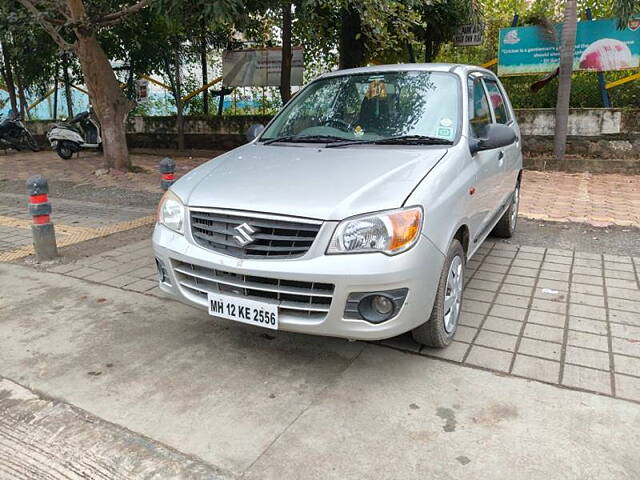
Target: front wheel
442, 324
64, 150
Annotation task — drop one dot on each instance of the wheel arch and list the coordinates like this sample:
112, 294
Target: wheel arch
462, 235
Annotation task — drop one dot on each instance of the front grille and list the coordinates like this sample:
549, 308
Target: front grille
271, 238
299, 298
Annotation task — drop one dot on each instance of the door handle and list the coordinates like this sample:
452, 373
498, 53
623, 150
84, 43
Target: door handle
500, 158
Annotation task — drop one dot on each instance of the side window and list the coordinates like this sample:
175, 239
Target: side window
497, 101
479, 113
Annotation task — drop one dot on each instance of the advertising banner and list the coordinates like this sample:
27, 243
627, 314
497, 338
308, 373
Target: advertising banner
259, 67
600, 46
469, 35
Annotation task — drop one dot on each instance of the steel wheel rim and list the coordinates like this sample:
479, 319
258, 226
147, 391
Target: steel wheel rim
514, 208
453, 294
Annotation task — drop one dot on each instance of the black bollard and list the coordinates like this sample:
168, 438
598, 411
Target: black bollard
168, 172
44, 235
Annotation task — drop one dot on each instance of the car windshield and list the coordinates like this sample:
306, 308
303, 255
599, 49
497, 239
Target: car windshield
370, 107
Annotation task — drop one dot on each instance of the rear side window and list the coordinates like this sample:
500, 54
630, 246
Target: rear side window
479, 113
497, 101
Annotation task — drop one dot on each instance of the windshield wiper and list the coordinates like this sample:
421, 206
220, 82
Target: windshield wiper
402, 139
304, 138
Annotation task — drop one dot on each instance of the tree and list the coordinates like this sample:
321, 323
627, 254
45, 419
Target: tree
64, 18
625, 9
287, 55
567, 49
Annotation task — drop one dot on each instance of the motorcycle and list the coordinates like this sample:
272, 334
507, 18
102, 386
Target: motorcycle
13, 134
71, 136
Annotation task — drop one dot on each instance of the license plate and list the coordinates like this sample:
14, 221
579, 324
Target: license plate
243, 310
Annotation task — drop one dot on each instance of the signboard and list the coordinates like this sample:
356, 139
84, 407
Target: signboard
259, 67
469, 35
142, 91
600, 46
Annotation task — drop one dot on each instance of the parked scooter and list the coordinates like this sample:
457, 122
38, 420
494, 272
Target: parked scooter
71, 136
13, 134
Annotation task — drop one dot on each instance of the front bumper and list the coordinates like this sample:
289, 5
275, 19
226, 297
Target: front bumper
417, 269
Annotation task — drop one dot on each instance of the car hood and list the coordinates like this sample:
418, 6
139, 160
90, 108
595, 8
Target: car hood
306, 181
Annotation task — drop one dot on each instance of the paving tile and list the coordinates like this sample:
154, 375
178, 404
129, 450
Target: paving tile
493, 268
587, 358
588, 262
82, 272
62, 268
484, 285
481, 295
529, 256
622, 304
465, 334
551, 294
454, 352
627, 387
556, 251
587, 379
552, 275
488, 276
501, 341
404, 342
627, 318
625, 346
586, 325
626, 365
622, 267
587, 299
549, 305
497, 260
470, 319
489, 358
587, 311
536, 368
516, 289
524, 272
527, 248
620, 275
541, 332
558, 285
475, 306
595, 272
141, 285
558, 259
617, 258
556, 267
512, 300
547, 318
530, 264
588, 279
101, 276
589, 255
120, 281
512, 313
588, 340
629, 332
520, 280
502, 325
619, 283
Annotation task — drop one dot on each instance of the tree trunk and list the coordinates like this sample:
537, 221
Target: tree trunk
109, 102
179, 104
411, 52
287, 55
351, 48
567, 48
203, 64
24, 112
67, 85
55, 93
7, 76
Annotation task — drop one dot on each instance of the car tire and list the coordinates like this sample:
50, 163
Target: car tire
506, 226
64, 150
439, 330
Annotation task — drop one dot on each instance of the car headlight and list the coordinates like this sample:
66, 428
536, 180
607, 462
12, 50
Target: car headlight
390, 232
171, 212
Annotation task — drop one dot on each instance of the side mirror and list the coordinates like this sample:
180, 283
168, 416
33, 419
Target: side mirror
497, 135
253, 131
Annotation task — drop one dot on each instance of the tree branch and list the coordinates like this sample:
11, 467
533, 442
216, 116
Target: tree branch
40, 18
115, 17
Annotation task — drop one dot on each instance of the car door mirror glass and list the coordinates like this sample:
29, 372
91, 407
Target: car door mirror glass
497, 136
253, 131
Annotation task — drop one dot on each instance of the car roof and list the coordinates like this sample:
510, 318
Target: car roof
405, 67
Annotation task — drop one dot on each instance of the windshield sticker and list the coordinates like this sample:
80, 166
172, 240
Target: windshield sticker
446, 122
445, 132
358, 131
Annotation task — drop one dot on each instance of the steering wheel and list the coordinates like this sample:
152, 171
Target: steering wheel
338, 123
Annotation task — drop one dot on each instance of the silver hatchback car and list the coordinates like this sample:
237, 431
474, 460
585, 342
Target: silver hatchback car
353, 213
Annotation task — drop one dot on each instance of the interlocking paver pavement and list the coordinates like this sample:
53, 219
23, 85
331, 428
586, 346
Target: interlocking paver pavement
576, 330
554, 196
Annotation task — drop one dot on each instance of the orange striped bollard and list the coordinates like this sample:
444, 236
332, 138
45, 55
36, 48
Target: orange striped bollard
44, 235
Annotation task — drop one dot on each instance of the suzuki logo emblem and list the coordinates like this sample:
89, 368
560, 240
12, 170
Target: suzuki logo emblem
244, 234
